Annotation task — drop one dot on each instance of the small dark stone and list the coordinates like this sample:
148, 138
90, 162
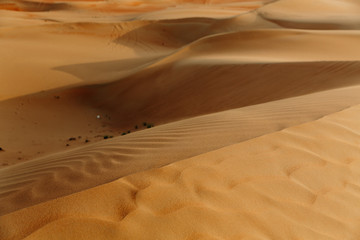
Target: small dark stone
136, 127
87, 140
123, 134
106, 137
1, 149
129, 131
67, 145
72, 139
144, 123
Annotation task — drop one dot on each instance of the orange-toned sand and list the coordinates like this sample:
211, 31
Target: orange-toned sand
298, 183
159, 119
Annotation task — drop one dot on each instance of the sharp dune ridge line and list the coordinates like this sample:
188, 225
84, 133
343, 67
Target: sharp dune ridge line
256, 108
32, 182
305, 185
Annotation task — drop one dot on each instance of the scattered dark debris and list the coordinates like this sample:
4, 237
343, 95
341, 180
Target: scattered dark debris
106, 137
67, 145
79, 137
144, 124
1, 149
87, 140
72, 139
136, 127
129, 131
123, 134
150, 126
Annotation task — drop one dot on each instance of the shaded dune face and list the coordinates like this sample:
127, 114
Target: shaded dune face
66, 172
255, 106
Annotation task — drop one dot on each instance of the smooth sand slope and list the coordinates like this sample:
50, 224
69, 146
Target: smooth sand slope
128, 103
31, 182
299, 183
308, 14
226, 85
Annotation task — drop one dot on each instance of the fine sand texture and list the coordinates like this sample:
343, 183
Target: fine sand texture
179, 119
298, 183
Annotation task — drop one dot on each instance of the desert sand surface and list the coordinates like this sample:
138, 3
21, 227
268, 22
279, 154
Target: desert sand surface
204, 119
298, 183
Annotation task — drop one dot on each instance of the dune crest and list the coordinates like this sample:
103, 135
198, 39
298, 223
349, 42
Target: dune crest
179, 119
308, 14
305, 185
31, 182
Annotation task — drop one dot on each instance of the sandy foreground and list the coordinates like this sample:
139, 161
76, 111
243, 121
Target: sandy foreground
178, 119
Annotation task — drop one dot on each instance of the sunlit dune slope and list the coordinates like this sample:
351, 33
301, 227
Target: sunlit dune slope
86, 52
255, 106
69, 171
308, 14
304, 179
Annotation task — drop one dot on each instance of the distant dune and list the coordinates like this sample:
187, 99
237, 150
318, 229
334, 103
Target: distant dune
157, 119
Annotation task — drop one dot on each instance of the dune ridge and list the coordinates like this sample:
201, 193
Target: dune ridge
307, 14
255, 106
69, 171
256, 179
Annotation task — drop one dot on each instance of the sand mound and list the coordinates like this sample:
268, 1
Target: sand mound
182, 85
38, 180
307, 186
222, 81
139, 98
308, 14
122, 48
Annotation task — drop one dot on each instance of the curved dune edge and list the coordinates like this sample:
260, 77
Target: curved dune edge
304, 178
64, 173
123, 47
308, 14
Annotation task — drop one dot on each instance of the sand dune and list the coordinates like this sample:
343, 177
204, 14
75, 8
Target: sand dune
192, 61
63, 173
251, 139
118, 44
305, 185
307, 14
127, 103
